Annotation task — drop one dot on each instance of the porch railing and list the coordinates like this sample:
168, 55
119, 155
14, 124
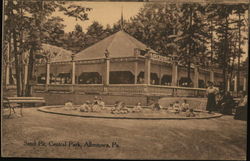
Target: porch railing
141, 89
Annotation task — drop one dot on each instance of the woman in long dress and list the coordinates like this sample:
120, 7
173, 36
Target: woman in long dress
211, 94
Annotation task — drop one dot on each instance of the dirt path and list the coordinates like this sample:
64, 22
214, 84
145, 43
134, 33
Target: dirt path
222, 138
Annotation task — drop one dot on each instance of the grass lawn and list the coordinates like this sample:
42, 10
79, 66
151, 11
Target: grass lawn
219, 138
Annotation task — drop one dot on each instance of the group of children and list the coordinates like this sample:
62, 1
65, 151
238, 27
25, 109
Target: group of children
177, 108
120, 107
96, 106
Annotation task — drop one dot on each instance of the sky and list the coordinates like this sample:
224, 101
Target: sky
103, 12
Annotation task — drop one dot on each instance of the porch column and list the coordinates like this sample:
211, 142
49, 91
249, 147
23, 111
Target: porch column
160, 74
136, 54
136, 71
107, 69
212, 75
174, 73
244, 83
196, 76
73, 76
47, 73
147, 70
235, 83
25, 73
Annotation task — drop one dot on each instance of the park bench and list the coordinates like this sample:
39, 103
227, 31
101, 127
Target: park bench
13, 102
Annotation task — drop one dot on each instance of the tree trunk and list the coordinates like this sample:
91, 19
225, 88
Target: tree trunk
30, 73
17, 65
211, 41
239, 55
226, 46
21, 46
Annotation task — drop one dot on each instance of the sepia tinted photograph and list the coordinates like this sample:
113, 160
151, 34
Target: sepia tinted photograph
143, 80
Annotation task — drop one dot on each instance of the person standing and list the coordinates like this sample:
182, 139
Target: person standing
211, 94
241, 109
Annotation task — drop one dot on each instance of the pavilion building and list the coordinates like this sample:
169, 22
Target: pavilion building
120, 64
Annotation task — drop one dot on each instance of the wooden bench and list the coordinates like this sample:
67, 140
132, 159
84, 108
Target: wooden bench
13, 102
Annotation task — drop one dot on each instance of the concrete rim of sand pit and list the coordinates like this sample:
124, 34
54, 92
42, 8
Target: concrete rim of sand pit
46, 110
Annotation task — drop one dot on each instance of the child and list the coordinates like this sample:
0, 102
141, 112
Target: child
137, 108
190, 113
184, 106
101, 103
68, 105
114, 110
123, 108
171, 106
156, 106
95, 100
95, 106
85, 107
176, 106
171, 109
119, 108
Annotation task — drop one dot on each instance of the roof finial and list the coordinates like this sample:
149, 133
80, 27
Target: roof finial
121, 25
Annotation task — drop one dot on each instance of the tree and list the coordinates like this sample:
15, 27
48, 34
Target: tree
240, 10
95, 33
153, 26
192, 35
76, 40
227, 37
53, 30
24, 21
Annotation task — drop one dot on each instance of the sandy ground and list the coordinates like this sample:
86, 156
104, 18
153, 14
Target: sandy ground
35, 135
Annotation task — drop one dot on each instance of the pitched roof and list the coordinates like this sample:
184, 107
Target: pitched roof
119, 44
58, 54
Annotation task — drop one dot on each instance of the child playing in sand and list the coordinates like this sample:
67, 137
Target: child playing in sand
119, 108
68, 105
156, 106
85, 107
190, 113
184, 106
95, 106
101, 103
116, 108
176, 106
171, 109
123, 109
137, 108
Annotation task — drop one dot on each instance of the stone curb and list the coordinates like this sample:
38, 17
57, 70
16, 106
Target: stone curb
43, 109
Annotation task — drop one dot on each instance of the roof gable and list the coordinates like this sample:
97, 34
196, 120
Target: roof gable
119, 44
